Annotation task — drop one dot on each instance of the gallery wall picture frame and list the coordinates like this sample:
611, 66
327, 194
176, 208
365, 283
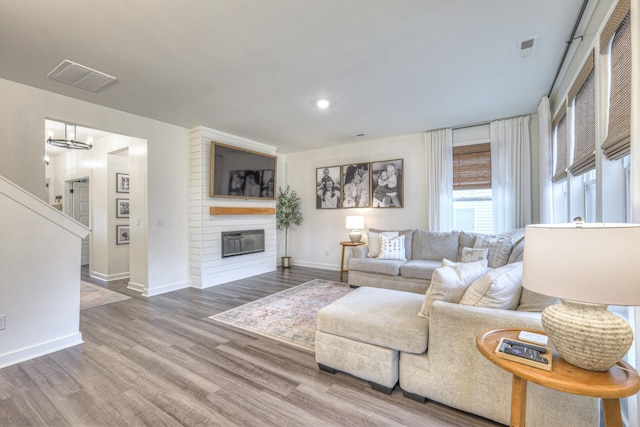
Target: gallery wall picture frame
356, 188
122, 235
387, 184
122, 182
328, 187
122, 208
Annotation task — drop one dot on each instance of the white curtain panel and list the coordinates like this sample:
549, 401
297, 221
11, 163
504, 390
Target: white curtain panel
511, 173
439, 171
544, 114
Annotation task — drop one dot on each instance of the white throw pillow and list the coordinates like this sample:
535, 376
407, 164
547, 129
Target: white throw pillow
392, 248
473, 254
373, 241
499, 249
449, 282
499, 288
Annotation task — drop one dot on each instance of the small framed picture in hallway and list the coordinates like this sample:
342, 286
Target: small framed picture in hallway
122, 234
122, 183
122, 208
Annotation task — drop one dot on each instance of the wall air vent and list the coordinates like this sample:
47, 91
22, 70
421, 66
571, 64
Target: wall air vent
527, 47
80, 76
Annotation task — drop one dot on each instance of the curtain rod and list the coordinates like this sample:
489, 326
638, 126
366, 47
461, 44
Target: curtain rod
471, 125
569, 43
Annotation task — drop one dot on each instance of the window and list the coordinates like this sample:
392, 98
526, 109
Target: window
472, 199
589, 180
560, 145
582, 97
618, 46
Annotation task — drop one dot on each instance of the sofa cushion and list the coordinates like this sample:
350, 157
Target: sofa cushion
474, 254
392, 248
377, 316
533, 301
419, 268
499, 249
450, 282
373, 241
435, 245
374, 265
408, 239
466, 240
499, 288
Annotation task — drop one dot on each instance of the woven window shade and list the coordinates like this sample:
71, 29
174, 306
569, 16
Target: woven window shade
618, 141
472, 166
614, 22
560, 148
586, 70
584, 148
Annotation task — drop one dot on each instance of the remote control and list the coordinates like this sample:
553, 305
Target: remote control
527, 345
524, 352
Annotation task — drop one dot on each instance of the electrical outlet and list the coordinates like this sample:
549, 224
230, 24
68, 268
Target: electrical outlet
3, 321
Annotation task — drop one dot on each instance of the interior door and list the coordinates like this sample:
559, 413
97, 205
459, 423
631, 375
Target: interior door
81, 212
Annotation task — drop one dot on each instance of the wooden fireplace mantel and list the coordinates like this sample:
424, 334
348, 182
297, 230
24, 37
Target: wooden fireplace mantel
225, 210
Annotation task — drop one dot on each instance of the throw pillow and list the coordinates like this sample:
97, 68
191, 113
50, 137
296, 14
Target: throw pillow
499, 249
408, 239
373, 241
473, 254
448, 283
392, 248
499, 288
533, 301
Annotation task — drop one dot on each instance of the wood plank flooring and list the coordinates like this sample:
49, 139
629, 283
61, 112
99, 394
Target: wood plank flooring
160, 361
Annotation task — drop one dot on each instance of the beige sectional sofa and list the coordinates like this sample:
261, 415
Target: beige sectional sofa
376, 333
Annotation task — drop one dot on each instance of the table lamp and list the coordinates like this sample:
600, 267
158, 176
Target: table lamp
355, 223
588, 266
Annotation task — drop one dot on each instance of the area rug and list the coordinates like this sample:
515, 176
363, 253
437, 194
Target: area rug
93, 295
288, 316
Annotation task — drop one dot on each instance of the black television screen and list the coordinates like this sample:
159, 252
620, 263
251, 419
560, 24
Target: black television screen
240, 173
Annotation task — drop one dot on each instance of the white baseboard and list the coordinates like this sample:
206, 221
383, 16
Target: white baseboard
109, 277
38, 350
146, 292
316, 265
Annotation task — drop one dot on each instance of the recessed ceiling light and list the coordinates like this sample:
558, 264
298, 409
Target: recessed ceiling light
323, 104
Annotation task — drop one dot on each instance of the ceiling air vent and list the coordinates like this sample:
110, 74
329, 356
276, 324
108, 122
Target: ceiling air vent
527, 47
80, 76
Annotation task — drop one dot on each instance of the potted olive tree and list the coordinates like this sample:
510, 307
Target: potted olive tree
288, 213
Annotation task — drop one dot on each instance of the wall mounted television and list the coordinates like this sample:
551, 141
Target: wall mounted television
241, 174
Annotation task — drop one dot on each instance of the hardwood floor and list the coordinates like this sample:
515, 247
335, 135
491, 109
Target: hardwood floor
160, 361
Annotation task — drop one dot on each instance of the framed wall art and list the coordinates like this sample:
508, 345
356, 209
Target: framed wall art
122, 208
122, 183
328, 187
386, 184
122, 235
357, 186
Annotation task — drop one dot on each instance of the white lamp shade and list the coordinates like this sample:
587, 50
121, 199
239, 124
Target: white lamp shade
355, 222
594, 263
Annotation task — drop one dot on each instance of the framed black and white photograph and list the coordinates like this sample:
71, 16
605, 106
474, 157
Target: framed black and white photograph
268, 181
386, 183
328, 187
356, 186
122, 208
122, 183
122, 234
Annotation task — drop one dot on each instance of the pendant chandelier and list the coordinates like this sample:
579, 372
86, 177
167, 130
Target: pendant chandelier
69, 142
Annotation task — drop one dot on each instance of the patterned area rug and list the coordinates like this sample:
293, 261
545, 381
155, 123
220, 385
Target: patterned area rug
93, 295
288, 316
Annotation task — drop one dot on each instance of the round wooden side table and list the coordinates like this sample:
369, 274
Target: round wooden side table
619, 381
344, 245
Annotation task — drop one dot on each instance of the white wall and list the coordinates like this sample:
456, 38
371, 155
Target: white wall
40, 277
164, 266
316, 242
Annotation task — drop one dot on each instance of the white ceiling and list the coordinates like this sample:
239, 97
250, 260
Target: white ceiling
253, 68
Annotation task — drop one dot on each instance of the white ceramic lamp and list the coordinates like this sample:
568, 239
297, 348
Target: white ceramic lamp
355, 223
588, 266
